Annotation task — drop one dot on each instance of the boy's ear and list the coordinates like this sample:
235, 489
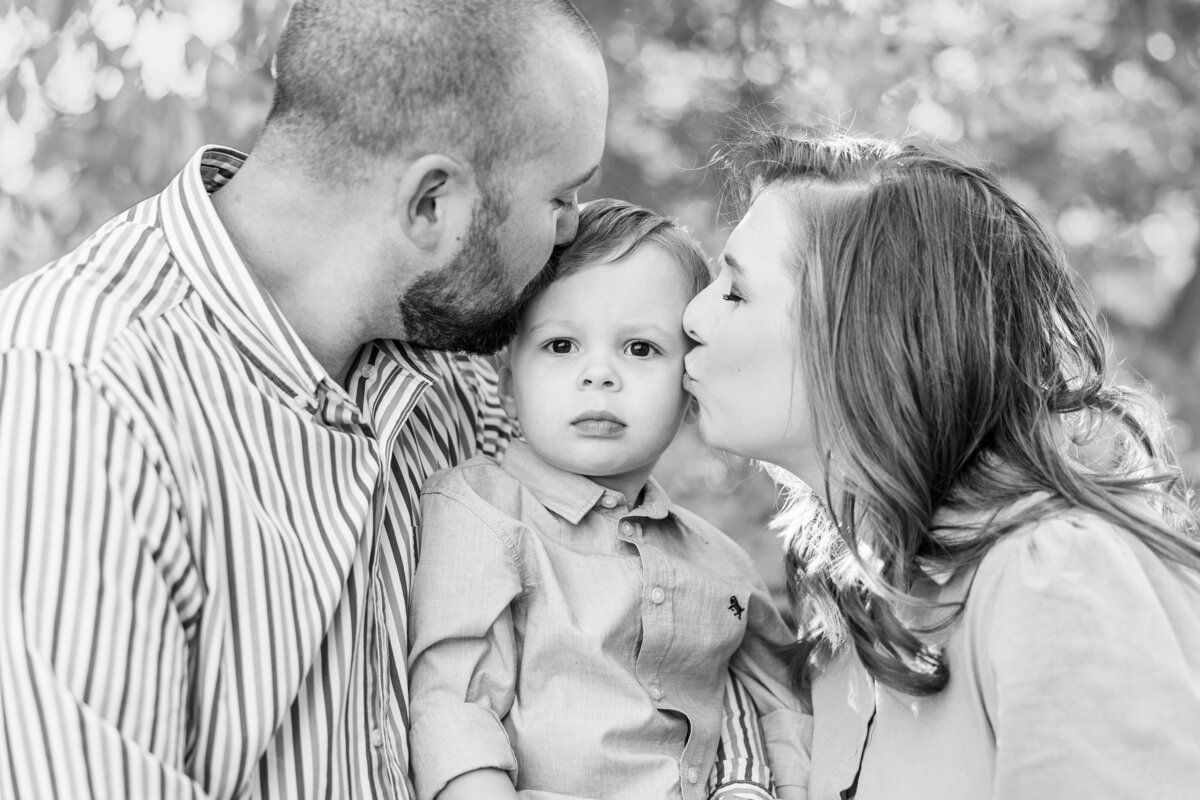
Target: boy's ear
432, 197
507, 399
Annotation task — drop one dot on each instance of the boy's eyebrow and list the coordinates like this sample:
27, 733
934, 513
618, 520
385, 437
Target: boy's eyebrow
567, 327
549, 323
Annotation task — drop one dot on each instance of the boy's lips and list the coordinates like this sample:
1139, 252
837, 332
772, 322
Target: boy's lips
602, 424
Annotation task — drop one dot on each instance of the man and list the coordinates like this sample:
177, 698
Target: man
216, 414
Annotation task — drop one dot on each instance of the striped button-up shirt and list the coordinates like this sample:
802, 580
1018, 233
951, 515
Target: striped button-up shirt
206, 543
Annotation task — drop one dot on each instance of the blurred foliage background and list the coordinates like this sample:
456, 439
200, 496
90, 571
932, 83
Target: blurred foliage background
1089, 108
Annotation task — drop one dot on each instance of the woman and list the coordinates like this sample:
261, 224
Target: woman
999, 590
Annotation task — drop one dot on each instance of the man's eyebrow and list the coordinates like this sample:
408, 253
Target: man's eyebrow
581, 180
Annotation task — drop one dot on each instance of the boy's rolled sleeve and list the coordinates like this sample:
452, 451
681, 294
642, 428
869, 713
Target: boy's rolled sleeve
457, 738
788, 737
463, 656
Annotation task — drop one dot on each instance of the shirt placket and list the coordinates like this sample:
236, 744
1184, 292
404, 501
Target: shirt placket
658, 629
386, 764
863, 695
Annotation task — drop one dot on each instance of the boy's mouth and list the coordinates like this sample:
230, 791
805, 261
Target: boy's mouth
598, 423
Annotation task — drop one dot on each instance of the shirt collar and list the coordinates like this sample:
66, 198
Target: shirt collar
409, 357
572, 496
212, 264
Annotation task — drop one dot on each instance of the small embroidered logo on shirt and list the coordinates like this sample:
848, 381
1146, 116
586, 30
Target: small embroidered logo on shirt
735, 606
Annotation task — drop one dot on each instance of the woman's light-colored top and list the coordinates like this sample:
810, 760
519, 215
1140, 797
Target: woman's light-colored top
1074, 673
581, 644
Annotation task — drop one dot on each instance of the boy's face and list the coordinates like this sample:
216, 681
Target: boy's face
596, 368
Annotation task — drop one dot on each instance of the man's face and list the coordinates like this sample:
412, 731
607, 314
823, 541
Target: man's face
526, 207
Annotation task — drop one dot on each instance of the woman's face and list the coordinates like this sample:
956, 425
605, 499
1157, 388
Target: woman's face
743, 370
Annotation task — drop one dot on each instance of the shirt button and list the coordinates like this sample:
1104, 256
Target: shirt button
658, 595
367, 371
299, 402
627, 529
608, 501
376, 737
693, 775
656, 692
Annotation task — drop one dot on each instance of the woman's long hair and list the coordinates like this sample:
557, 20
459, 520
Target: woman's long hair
952, 362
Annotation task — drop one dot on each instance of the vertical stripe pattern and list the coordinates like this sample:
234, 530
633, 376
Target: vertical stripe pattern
741, 771
205, 543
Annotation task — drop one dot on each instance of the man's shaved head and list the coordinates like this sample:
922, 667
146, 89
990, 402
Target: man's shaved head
400, 78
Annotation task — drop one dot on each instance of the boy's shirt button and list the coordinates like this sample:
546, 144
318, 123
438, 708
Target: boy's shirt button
628, 529
658, 595
608, 501
656, 692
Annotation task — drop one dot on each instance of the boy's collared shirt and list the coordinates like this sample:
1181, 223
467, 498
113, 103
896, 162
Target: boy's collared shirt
205, 541
580, 644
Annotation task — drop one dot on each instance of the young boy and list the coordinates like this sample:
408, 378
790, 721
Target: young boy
572, 630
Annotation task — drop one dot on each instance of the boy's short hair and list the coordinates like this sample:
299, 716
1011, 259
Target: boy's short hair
611, 229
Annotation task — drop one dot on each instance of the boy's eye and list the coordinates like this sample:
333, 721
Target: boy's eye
640, 349
560, 346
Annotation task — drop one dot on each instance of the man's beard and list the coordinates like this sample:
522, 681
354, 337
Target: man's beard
469, 305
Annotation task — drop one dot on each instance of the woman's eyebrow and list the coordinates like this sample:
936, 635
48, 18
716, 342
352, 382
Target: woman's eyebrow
732, 263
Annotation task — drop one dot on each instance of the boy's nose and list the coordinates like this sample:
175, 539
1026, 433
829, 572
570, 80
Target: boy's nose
599, 376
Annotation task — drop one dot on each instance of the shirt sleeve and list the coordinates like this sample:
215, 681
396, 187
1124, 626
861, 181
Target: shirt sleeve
740, 770
93, 650
762, 672
463, 659
1092, 645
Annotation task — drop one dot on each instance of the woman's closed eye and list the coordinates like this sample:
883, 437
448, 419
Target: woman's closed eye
734, 293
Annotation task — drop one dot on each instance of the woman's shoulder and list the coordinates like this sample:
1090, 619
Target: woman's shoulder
1076, 568
1063, 544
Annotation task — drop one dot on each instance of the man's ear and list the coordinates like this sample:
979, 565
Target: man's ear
433, 194
505, 388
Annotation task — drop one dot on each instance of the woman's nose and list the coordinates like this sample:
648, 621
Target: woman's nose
599, 374
692, 317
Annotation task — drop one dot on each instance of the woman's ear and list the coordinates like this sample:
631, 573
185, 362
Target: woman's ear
433, 200
692, 412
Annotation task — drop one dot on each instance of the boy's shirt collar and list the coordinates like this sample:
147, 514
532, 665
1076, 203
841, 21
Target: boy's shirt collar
572, 496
